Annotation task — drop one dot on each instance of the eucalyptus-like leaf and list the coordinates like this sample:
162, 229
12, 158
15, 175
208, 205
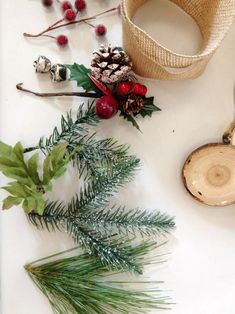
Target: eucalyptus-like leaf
28, 187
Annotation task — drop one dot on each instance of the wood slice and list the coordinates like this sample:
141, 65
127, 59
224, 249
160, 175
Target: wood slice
209, 174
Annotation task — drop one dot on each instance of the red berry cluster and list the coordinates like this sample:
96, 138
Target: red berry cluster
125, 88
70, 12
107, 106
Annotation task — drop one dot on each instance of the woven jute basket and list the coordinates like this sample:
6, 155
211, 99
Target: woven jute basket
152, 60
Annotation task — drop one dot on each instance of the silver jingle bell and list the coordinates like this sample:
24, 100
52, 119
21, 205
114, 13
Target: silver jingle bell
42, 64
58, 73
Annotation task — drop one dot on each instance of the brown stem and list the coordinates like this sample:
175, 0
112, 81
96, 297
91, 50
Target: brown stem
20, 87
45, 35
56, 26
89, 24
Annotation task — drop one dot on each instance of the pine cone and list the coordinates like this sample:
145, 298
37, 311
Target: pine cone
132, 104
110, 65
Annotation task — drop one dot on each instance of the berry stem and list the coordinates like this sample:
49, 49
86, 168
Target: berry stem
20, 87
49, 36
56, 26
89, 24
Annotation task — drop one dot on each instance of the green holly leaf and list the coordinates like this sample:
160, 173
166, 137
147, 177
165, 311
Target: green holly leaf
148, 108
11, 201
131, 119
79, 73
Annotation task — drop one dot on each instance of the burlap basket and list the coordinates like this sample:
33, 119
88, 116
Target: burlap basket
152, 60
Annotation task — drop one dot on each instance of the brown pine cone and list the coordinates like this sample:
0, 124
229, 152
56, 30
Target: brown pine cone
132, 104
110, 65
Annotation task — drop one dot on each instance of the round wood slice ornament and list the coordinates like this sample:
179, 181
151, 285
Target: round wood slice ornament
209, 172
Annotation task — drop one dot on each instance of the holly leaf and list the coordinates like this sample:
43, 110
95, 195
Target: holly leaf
79, 73
131, 119
148, 108
119, 48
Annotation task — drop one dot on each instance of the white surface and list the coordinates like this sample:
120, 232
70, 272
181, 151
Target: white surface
200, 273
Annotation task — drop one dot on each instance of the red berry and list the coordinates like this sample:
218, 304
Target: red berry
66, 5
62, 40
80, 5
106, 107
139, 89
70, 15
124, 88
47, 3
100, 30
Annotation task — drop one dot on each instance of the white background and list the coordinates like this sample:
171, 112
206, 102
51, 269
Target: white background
200, 272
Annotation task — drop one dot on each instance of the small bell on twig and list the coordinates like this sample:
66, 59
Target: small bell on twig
58, 73
42, 64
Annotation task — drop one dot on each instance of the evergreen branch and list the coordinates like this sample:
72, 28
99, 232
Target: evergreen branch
110, 251
95, 194
131, 221
70, 130
54, 217
97, 156
81, 284
94, 230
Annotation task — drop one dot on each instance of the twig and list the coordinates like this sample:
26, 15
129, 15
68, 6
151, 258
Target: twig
56, 26
20, 87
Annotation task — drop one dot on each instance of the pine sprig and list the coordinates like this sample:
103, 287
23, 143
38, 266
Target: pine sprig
131, 221
111, 252
100, 232
96, 193
70, 130
81, 284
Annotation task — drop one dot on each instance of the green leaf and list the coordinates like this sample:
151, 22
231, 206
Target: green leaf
34, 203
16, 189
7, 162
33, 168
5, 150
148, 108
14, 173
19, 151
119, 48
46, 170
11, 201
131, 119
28, 187
79, 73
55, 163
40, 205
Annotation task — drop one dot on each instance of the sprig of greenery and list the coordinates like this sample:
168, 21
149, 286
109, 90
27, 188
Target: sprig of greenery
71, 130
128, 221
81, 284
95, 229
29, 187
